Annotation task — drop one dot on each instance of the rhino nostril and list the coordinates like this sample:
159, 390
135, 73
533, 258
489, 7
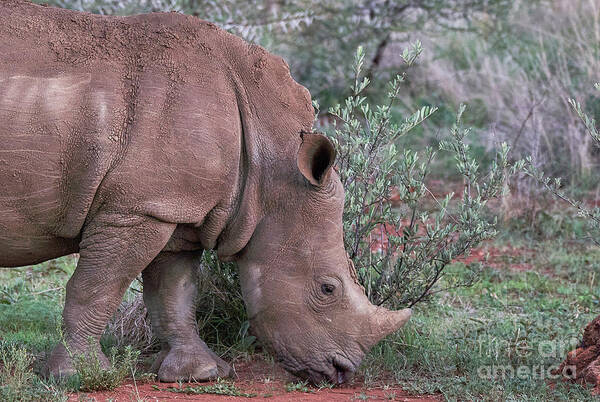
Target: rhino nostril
341, 377
342, 373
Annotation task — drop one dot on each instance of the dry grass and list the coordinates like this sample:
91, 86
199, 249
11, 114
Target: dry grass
130, 326
519, 76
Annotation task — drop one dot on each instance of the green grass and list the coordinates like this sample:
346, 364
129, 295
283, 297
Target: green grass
91, 376
508, 320
17, 380
497, 339
31, 300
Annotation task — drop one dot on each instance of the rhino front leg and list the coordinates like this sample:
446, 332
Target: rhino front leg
170, 291
111, 256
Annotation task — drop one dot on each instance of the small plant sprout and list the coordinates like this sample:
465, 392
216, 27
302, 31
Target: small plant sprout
300, 386
220, 387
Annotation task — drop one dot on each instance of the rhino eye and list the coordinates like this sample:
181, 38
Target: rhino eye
327, 288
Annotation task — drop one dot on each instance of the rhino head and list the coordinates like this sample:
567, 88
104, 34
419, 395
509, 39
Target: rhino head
298, 283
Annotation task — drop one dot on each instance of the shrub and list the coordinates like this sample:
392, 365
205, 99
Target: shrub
401, 253
222, 320
130, 325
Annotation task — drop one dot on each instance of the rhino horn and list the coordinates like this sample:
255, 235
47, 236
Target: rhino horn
384, 322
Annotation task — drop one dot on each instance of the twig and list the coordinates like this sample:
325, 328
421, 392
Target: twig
46, 291
522, 128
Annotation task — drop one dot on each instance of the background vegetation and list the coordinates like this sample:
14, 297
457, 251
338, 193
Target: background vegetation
515, 64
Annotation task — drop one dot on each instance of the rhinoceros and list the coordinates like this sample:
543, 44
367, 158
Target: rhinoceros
138, 142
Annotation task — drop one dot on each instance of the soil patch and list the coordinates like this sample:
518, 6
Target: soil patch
582, 365
263, 380
513, 258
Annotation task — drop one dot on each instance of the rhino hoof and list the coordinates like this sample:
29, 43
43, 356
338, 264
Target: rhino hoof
60, 363
222, 366
160, 357
183, 365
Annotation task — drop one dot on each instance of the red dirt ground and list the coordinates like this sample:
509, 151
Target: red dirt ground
265, 379
506, 256
583, 363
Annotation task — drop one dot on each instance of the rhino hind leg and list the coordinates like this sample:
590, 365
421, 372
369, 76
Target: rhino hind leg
110, 259
170, 291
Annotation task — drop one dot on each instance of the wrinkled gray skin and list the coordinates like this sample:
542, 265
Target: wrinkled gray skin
139, 142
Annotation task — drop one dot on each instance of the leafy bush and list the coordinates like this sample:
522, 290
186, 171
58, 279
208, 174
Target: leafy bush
222, 320
130, 325
417, 240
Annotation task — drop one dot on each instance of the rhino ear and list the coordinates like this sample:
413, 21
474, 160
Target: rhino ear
315, 157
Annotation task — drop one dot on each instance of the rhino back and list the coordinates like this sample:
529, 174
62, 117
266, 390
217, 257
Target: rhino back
142, 113
126, 112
